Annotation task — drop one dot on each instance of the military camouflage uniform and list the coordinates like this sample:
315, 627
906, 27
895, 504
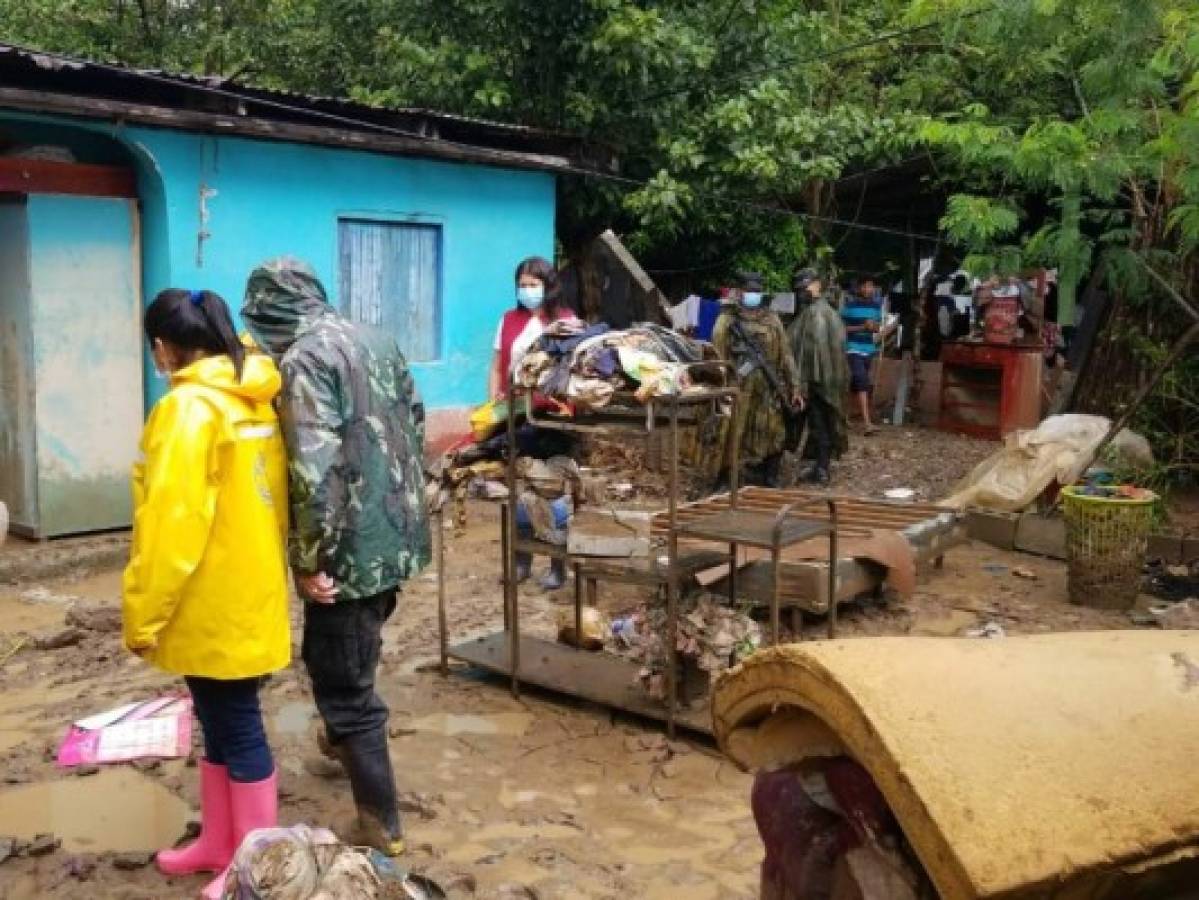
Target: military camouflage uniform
355, 432
760, 415
818, 342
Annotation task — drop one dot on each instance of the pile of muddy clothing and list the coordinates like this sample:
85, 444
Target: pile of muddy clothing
712, 637
303, 863
828, 832
586, 365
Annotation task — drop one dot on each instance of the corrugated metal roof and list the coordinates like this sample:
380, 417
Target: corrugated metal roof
79, 77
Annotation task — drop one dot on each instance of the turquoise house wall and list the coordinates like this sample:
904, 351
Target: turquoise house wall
267, 198
264, 199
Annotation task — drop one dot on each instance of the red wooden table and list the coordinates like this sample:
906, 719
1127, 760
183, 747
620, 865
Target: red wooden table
989, 390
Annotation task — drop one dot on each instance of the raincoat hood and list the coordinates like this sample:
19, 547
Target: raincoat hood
284, 299
259, 383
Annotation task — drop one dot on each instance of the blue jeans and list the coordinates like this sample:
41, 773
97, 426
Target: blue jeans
232, 723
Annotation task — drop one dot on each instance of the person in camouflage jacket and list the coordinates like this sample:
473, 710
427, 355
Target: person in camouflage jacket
354, 429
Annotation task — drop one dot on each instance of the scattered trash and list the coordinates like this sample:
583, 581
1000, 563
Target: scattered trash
8, 849
1178, 571
711, 639
622, 491
1027, 574
899, 494
995, 569
625, 630
988, 631
1180, 616
161, 727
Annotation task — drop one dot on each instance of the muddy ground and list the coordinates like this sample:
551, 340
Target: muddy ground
538, 797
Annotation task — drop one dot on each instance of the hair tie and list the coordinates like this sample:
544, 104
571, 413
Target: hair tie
196, 297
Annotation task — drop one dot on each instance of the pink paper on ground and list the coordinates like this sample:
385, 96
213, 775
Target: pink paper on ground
159, 728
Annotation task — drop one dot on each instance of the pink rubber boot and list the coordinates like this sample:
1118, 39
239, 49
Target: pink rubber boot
255, 805
212, 850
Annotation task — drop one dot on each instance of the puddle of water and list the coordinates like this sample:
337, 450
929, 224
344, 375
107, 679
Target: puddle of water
294, 718
451, 725
117, 811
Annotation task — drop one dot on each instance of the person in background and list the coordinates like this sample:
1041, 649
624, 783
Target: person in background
752, 338
539, 304
818, 342
354, 428
862, 315
205, 591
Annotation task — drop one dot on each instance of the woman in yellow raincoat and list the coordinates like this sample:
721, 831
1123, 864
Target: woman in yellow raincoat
205, 592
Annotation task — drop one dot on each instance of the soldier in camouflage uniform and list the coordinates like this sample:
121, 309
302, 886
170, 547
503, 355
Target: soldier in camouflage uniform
761, 410
818, 342
354, 429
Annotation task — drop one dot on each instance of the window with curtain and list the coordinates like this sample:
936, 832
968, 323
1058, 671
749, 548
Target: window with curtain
391, 278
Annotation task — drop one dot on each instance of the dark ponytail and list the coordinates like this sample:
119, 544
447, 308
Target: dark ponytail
195, 320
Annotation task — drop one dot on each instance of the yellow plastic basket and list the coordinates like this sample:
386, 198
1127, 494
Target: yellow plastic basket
1106, 542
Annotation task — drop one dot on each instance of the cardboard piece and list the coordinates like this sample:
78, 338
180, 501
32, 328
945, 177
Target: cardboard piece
610, 533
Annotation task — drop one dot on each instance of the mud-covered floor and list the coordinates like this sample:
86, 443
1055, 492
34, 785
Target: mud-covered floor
539, 797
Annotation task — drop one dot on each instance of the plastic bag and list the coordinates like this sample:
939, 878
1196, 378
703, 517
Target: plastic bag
487, 419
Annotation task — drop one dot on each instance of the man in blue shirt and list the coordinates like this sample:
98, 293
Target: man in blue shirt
863, 317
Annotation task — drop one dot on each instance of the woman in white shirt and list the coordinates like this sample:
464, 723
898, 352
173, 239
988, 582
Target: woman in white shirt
538, 304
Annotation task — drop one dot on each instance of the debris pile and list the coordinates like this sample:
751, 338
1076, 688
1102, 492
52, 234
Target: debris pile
712, 638
587, 365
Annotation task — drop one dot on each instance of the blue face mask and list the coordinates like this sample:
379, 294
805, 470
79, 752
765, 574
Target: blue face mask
751, 299
530, 297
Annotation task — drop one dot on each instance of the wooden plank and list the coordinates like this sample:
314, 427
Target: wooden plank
43, 176
599, 677
195, 120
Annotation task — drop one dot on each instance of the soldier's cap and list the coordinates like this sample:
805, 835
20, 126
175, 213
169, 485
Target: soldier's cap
750, 281
803, 277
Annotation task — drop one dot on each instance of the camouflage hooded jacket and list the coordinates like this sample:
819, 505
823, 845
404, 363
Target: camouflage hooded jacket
354, 428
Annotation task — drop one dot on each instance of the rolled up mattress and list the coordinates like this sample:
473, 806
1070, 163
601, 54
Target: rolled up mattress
1063, 765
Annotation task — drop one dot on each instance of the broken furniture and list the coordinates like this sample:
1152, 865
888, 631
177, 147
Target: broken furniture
928, 531
990, 390
1030, 767
601, 677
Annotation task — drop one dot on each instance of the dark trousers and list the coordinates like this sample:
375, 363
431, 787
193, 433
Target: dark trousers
821, 422
341, 649
232, 724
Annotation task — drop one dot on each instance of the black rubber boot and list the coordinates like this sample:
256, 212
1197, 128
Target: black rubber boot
372, 783
555, 577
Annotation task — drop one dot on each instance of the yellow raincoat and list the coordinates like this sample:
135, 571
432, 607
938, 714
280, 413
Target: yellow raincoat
206, 586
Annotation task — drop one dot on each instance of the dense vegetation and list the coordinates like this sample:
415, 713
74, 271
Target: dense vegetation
1063, 132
